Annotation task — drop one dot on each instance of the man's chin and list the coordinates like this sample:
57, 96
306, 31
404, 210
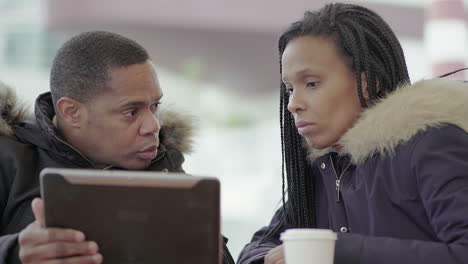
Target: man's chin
138, 164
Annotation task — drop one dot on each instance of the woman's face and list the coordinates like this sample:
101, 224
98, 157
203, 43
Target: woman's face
323, 90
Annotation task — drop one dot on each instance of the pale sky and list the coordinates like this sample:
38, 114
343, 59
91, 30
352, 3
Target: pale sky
405, 2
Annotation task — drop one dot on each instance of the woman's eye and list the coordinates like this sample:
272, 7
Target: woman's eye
311, 84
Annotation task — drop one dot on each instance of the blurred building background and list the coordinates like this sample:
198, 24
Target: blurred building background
217, 60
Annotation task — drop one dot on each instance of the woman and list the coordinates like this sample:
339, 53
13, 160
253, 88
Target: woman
380, 161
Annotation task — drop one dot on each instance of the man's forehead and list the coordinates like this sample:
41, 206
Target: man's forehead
138, 99
145, 71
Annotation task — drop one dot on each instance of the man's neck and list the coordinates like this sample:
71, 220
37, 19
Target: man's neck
72, 141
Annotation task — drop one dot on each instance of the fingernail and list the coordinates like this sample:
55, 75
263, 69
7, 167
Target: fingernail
92, 246
97, 258
79, 236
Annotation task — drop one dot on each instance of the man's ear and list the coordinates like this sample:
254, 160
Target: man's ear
71, 111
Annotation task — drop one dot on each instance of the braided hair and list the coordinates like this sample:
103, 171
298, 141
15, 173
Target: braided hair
374, 51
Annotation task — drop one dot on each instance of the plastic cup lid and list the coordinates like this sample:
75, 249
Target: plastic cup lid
308, 233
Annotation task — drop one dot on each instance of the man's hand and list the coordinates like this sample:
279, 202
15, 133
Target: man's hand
275, 256
40, 245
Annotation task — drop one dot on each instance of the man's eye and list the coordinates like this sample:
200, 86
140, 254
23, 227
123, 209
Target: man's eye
130, 113
154, 107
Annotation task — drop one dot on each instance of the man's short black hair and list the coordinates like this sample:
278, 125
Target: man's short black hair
80, 68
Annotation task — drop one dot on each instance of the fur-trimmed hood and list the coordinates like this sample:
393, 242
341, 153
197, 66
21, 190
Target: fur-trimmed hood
11, 110
401, 115
176, 132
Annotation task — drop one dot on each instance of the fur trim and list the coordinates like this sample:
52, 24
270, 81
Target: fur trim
11, 111
401, 115
177, 130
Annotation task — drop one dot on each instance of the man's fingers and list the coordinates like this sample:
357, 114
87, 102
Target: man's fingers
94, 259
35, 235
38, 209
49, 235
58, 250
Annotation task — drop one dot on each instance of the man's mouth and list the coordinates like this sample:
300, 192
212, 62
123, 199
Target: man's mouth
148, 153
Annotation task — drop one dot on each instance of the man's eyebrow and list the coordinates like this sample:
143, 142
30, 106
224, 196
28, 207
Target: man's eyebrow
137, 103
133, 103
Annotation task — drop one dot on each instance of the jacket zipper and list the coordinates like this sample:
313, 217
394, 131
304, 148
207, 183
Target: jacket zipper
162, 155
338, 179
83, 156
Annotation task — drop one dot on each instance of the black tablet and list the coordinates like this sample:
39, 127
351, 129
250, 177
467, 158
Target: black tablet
137, 217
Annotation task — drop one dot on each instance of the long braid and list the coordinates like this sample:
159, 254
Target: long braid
347, 36
289, 152
282, 151
304, 192
296, 178
290, 197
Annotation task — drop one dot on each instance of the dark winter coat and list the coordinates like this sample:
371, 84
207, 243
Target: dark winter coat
404, 197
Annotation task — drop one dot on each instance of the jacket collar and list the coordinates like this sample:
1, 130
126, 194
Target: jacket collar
398, 117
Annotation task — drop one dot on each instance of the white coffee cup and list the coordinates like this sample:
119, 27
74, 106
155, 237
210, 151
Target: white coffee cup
308, 245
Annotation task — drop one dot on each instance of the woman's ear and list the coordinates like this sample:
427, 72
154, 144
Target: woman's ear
70, 111
365, 90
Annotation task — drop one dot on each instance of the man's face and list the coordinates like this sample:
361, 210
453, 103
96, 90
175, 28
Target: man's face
121, 127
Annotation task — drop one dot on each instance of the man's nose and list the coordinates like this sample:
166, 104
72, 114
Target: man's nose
150, 125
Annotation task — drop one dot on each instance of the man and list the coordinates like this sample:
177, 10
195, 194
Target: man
102, 112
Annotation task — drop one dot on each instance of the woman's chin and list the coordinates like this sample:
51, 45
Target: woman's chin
314, 144
317, 144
